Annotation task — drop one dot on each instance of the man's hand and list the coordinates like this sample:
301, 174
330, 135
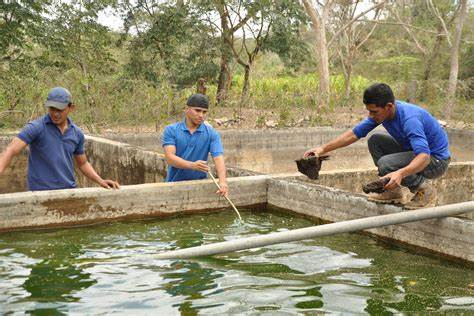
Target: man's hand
224, 189
395, 177
317, 151
200, 165
110, 184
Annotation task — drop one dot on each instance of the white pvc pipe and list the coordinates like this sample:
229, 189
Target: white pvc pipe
318, 231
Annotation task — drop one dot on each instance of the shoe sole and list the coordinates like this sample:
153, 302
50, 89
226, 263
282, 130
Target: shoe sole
391, 201
430, 204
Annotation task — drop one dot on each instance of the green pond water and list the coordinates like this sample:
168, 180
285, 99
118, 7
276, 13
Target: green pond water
110, 269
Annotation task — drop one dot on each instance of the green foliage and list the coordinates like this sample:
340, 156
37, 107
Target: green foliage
285, 116
286, 39
318, 120
144, 74
76, 39
117, 102
402, 67
260, 122
175, 46
297, 91
20, 24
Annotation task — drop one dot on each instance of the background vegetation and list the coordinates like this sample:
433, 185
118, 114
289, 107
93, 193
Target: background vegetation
254, 55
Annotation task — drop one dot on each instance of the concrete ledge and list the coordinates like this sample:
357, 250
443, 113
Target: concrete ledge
123, 162
273, 150
455, 186
45, 209
451, 237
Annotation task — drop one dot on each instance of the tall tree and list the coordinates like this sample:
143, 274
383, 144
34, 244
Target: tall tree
247, 27
319, 14
426, 23
226, 10
319, 20
246, 48
454, 69
353, 37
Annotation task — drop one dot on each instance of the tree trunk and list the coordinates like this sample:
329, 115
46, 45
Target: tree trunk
246, 86
411, 91
319, 27
226, 57
453, 73
323, 61
430, 62
347, 77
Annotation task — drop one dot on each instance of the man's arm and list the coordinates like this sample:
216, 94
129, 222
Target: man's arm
180, 163
86, 168
222, 175
420, 162
343, 140
13, 149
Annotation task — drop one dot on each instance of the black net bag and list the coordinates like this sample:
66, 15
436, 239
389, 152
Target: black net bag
310, 166
376, 186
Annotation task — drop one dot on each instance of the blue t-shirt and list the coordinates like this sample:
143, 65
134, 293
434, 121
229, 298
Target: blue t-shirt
191, 147
413, 128
50, 163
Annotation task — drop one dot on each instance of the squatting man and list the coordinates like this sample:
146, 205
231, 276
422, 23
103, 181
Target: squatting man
414, 149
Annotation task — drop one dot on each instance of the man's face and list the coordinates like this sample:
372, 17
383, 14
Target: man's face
196, 115
379, 114
59, 117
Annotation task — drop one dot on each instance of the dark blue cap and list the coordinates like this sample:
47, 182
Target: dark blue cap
198, 100
58, 98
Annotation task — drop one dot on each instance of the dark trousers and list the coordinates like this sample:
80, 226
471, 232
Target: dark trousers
389, 156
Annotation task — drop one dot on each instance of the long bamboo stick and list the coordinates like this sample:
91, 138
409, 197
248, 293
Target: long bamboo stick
227, 198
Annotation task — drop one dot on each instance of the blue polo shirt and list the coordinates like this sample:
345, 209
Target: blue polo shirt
191, 147
50, 163
413, 128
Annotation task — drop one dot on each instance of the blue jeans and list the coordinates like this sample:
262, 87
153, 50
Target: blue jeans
389, 156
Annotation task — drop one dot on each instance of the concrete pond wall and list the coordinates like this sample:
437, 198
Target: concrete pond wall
14, 178
274, 151
261, 173
452, 237
454, 186
112, 160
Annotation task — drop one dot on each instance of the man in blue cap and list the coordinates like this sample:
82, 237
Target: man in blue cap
187, 145
54, 141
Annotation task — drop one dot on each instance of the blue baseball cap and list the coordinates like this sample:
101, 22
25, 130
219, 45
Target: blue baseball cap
58, 98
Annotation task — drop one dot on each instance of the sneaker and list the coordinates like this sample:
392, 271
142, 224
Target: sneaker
387, 196
425, 196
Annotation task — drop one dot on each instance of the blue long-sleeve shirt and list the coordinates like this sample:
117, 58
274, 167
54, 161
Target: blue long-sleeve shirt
414, 128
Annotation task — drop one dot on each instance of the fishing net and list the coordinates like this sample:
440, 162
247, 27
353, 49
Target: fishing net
310, 166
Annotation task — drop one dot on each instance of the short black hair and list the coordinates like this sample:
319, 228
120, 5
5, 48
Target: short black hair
379, 94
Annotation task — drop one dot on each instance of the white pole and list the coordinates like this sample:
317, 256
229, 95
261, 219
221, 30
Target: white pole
318, 231
226, 197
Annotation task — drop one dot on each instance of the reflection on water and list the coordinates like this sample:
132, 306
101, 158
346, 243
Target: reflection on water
110, 269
